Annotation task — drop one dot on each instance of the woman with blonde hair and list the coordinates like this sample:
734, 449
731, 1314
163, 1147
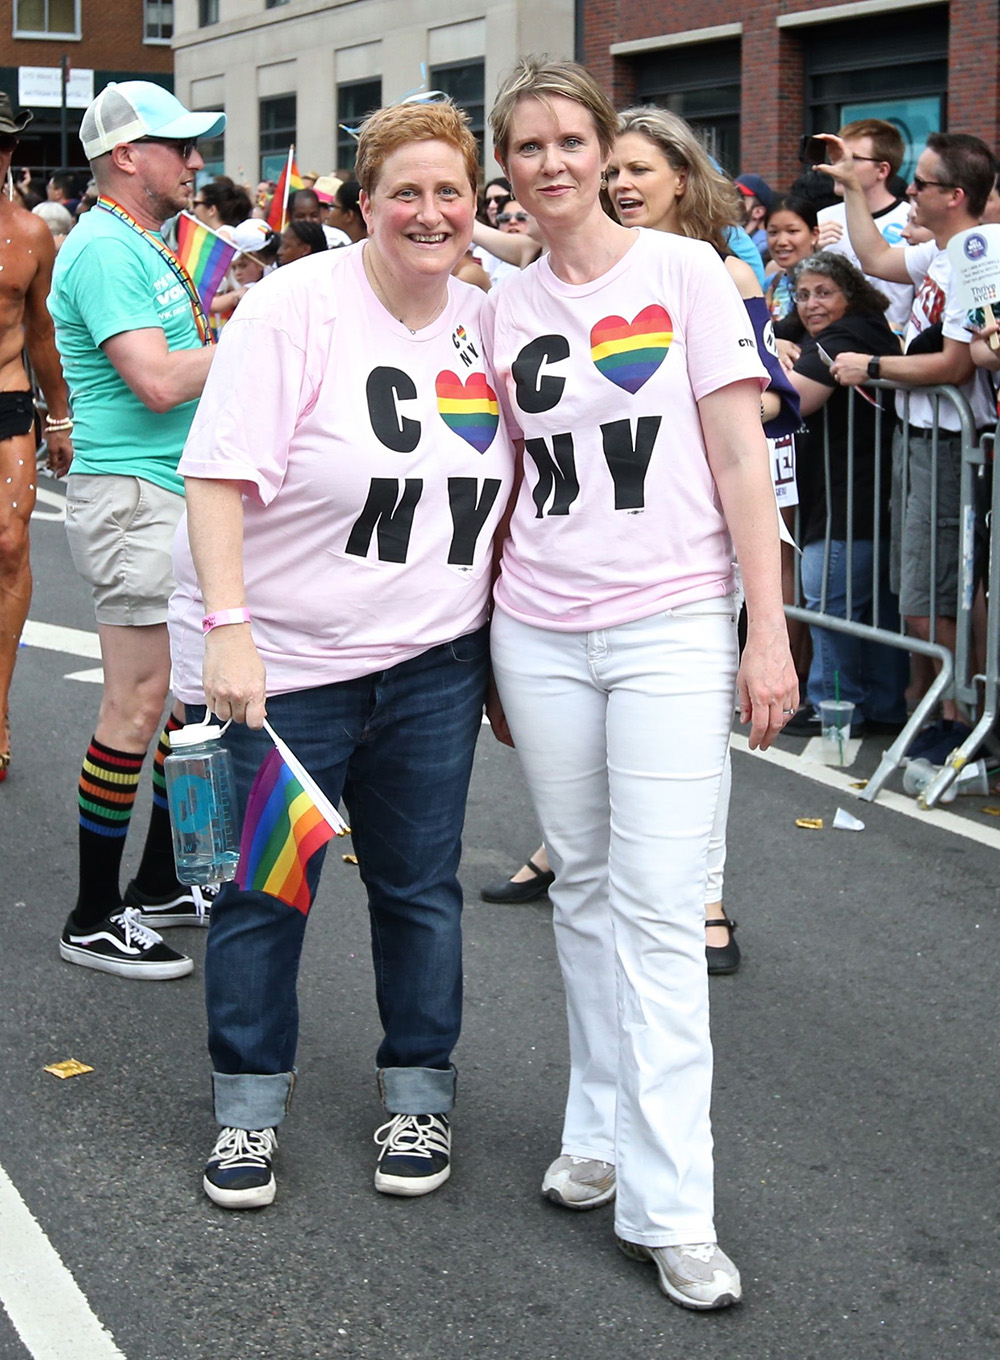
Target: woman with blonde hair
662, 177
628, 367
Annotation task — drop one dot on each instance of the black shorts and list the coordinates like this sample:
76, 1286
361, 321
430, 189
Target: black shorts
17, 414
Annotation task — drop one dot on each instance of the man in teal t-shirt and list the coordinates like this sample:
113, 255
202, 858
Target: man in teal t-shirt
134, 342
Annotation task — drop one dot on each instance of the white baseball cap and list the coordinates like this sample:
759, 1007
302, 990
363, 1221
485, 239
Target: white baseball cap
134, 109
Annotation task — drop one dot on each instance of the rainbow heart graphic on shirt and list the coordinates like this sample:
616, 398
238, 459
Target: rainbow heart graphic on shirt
469, 409
629, 353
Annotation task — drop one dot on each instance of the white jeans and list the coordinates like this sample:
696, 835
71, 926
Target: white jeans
622, 734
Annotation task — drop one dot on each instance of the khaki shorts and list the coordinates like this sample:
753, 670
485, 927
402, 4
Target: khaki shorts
121, 534
913, 530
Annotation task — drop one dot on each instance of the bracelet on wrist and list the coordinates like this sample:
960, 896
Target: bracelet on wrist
220, 617
65, 424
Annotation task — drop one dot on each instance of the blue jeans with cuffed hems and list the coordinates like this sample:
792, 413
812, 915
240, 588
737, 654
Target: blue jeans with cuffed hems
398, 745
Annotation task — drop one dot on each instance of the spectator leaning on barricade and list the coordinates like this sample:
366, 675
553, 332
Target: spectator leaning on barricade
843, 485
877, 150
134, 340
949, 189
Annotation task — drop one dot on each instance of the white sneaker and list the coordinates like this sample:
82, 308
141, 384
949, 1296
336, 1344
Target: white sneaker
699, 1276
579, 1183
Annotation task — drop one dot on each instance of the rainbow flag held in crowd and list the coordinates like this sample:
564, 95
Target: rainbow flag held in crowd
204, 254
288, 181
288, 819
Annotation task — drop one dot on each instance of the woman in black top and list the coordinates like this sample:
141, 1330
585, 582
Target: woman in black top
841, 311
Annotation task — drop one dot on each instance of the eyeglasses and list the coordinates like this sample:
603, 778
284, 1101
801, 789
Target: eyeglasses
921, 184
874, 160
503, 218
184, 149
818, 294
198, 202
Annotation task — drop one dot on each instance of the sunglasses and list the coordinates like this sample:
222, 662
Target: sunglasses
7, 143
921, 184
184, 149
512, 217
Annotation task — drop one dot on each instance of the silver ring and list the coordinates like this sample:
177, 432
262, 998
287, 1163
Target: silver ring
789, 711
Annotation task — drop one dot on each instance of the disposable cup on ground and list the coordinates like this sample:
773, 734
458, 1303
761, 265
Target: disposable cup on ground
835, 718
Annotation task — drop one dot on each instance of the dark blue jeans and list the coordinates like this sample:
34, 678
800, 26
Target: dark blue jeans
398, 746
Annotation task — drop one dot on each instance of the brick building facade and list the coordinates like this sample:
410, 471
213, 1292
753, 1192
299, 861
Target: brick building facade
116, 39
755, 77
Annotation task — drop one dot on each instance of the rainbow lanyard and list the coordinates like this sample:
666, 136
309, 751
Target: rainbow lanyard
160, 246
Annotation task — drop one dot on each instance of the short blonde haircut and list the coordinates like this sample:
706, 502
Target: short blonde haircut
386, 130
540, 78
710, 203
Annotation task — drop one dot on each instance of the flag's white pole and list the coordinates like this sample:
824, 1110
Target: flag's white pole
329, 812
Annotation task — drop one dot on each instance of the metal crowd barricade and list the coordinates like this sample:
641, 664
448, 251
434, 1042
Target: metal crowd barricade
954, 678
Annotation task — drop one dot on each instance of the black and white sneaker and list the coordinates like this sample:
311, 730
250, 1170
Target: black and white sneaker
123, 945
190, 905
416, 1154
238, 1174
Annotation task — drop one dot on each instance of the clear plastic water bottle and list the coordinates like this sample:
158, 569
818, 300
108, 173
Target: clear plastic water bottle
201, 795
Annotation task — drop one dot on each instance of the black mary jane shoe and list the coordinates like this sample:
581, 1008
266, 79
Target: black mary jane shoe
723, 958
510, 893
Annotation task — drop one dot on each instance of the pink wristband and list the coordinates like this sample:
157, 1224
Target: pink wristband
222, 616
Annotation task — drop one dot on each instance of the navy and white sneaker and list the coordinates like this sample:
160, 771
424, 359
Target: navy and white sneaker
123, 945
238, 1174
416, 1154
190, 905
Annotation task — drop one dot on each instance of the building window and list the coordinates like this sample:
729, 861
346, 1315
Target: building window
158, 21
46, 18
848, 78
213, 152
702, 84
277, 133
465, 82
355, 100
273, 4
208, 12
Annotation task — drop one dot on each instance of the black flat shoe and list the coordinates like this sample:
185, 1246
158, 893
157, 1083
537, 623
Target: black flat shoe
510, 893
723, 958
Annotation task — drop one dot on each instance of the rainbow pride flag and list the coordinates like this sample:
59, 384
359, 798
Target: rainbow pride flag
288, 819
288, 182
204, 254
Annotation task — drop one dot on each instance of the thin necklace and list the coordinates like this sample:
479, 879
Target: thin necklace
383, 297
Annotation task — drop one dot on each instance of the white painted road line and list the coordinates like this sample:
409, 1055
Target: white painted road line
49, 1312
834, 778
53, 638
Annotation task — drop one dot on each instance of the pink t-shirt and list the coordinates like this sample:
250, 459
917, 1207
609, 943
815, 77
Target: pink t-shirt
374, 468
618, 515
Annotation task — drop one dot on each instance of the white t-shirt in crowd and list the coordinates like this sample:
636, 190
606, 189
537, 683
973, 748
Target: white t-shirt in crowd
374, 468
934, 301
890, 221
618, 516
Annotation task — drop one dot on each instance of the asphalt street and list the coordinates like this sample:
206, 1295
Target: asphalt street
855, 1105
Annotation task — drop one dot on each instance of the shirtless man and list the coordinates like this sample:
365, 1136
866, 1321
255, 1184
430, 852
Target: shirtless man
26, 256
